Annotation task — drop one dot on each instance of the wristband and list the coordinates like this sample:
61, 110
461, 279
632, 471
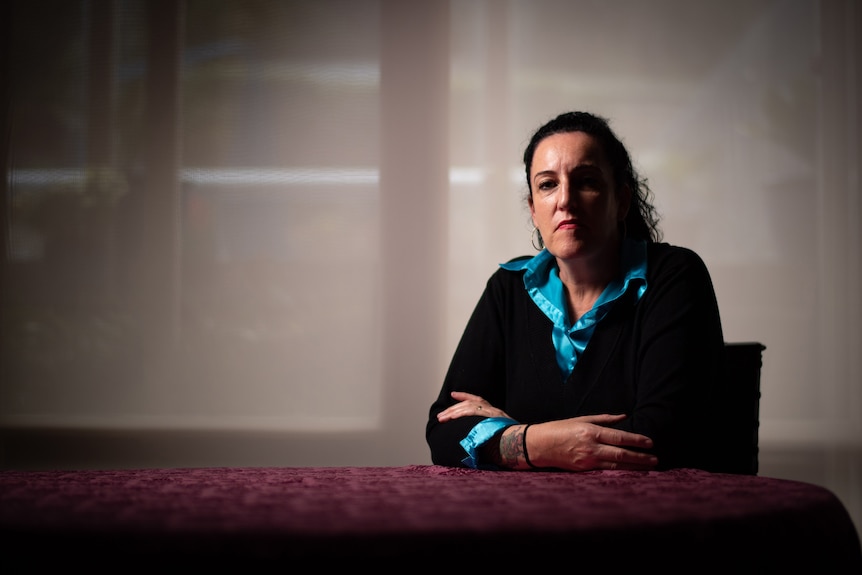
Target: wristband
524, 446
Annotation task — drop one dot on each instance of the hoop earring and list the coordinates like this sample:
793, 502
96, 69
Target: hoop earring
536, 238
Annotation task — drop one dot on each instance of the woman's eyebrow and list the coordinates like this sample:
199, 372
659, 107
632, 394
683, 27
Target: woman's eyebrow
545, 173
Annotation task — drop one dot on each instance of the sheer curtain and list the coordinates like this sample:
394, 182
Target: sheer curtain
250, 232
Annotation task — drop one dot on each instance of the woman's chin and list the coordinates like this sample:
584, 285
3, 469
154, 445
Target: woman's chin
569, 249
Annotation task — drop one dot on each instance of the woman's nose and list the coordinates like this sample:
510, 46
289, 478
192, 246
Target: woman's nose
566, 197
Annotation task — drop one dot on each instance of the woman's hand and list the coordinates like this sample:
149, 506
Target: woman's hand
585, 443
578, 444
469, 404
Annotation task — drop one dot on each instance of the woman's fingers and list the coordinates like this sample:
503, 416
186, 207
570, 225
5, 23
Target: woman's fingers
610, 436
469, 404
601, 419
464, 396
584, 443
630, 460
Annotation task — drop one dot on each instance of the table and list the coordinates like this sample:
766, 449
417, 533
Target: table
421, 516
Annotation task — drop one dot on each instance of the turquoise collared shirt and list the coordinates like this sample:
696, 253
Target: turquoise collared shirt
543, 284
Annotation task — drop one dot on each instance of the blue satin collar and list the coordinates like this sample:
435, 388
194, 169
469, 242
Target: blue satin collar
543, 283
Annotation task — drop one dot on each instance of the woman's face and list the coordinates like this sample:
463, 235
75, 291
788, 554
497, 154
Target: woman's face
573, 201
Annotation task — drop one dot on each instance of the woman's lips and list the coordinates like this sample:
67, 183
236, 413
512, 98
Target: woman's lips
568, 225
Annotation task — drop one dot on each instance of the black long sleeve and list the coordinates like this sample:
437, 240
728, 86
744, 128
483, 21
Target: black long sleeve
655, 359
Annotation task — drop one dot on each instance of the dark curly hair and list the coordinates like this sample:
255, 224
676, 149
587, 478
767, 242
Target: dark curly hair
641, 223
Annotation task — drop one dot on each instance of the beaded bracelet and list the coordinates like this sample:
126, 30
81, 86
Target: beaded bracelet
524, 445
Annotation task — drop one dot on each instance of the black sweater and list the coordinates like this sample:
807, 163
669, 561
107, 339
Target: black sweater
656, 360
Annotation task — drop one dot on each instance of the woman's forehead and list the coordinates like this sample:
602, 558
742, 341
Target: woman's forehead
566, 150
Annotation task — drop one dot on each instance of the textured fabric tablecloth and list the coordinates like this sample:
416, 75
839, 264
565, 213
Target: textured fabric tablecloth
421, 516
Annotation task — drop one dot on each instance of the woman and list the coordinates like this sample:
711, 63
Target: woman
600, 351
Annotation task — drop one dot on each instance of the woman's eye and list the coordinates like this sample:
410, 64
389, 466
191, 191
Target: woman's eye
589, 183
547, 185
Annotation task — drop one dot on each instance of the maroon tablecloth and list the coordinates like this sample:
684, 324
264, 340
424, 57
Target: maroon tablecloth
422, 516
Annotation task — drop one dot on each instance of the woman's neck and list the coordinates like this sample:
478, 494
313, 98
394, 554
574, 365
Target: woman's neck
585, 280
